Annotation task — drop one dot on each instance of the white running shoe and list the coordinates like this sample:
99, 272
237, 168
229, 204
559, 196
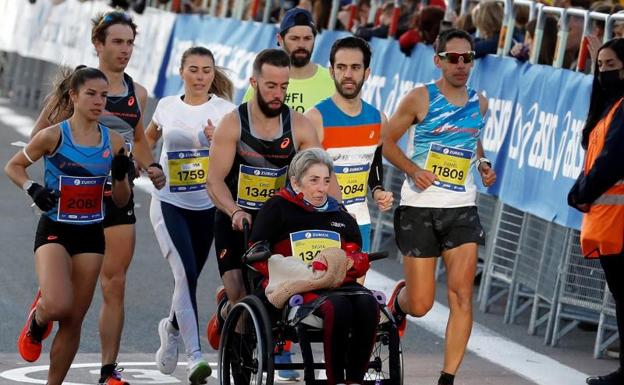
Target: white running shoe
170, 341
198, 370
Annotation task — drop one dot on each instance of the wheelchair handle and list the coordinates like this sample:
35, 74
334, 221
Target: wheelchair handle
258, 256
377, 256
246, 233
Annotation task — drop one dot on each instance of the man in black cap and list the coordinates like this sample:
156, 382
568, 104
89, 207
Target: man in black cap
309, 82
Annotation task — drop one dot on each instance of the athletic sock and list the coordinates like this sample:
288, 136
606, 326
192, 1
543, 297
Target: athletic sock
397, 307
107, 371
446, 379
36, 330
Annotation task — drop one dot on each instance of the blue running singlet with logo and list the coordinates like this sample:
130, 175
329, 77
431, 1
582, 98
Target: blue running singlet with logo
79, 173
447, 128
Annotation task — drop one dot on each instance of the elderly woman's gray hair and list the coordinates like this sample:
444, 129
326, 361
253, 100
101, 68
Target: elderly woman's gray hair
305, 159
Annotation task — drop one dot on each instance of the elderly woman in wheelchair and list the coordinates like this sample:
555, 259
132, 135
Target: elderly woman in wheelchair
307, 290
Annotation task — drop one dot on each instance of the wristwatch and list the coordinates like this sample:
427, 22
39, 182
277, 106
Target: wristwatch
483, 160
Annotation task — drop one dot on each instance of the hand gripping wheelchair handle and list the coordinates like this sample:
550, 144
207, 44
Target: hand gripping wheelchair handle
246, 233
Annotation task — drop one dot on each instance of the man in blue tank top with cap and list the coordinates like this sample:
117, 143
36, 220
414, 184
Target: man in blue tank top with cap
437, 215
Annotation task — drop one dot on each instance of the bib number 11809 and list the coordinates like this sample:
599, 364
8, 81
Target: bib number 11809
447, 172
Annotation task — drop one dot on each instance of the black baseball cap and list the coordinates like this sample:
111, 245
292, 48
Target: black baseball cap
297, 16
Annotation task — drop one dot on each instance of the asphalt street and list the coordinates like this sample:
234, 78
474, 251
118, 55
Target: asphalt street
490, 359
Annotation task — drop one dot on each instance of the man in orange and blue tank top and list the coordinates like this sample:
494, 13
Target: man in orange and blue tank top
350, 130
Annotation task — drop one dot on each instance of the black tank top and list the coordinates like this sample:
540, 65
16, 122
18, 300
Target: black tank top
262, 164
123, 113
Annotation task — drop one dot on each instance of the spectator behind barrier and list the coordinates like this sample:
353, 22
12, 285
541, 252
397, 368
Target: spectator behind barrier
594, 39
521, 20
522, 51
193, 6
618, 28
361, 17
487, 17
465, 23
575, 34
368, 32
425, 28
138, 6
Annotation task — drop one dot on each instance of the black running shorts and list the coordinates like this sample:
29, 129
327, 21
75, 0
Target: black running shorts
76, 239
228, 242
114, 215
426, 232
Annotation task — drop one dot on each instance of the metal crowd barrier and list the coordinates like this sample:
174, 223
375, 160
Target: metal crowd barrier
581, 291
500, 263
607, 332
532, 245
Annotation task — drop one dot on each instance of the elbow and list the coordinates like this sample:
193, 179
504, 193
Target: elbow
210, 186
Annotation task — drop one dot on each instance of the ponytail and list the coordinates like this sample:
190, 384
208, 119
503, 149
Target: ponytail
222, 86
57, 101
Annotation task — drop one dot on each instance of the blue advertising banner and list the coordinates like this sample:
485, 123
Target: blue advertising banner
533, 126
533, 133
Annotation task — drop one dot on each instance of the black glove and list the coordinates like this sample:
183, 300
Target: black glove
45, 198
121, 165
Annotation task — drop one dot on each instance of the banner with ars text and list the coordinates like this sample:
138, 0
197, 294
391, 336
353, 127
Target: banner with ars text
61, 34
533, 133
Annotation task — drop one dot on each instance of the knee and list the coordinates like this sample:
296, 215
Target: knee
419, 307
460, 300
58, 309
113, 285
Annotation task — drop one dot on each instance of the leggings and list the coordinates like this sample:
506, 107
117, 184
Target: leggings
613, 266
184, 237
349, 328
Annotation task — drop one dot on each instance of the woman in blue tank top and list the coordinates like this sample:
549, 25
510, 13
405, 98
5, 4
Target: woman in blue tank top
79, 154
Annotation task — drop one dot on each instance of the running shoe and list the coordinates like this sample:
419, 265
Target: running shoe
399, 316
170, 341
216, 322
29, 341
286, 374
615, 378
114, 378
198, 370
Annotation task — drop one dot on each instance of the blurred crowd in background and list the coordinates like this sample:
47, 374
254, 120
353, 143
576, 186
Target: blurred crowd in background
420, 21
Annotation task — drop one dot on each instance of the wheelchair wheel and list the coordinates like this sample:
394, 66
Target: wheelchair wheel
246, 353
386, 364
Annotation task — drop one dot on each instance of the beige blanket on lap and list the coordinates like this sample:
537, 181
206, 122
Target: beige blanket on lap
289, 276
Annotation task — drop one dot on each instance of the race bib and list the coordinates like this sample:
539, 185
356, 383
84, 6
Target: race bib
187, 170
81, 199
451, 165
256, 185
353, 181
308, 243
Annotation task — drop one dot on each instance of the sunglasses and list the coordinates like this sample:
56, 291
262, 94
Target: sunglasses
453, 57
114, 16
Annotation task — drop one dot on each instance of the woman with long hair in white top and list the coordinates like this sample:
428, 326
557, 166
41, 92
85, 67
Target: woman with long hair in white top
182, 213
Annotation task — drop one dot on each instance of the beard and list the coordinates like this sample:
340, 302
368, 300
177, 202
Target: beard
300, 61
349, 94
266, 109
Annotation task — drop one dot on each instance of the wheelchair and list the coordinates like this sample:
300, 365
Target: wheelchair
254, 331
